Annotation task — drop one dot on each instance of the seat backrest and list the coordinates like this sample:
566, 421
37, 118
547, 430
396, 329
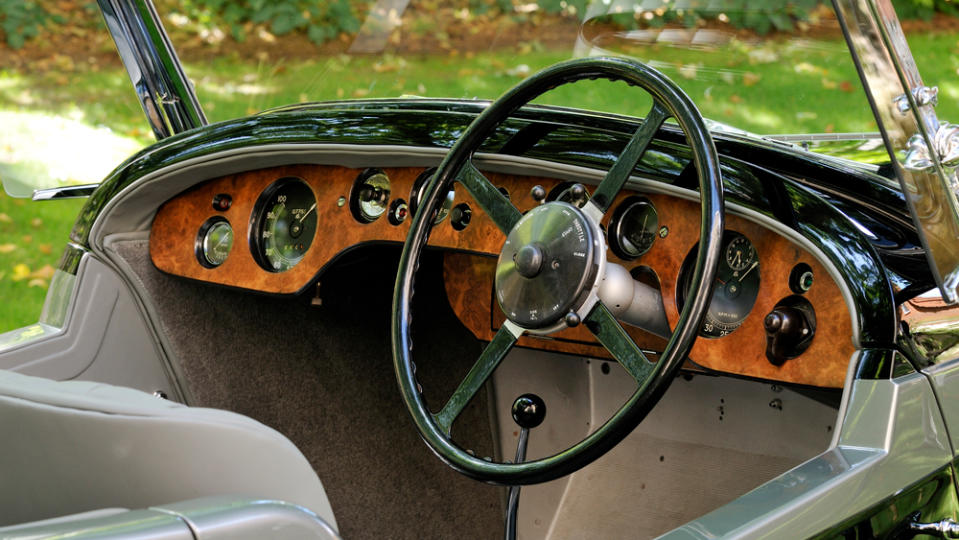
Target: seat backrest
76, 446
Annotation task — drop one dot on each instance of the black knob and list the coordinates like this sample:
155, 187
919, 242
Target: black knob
577, 191
529, 260
572, 319
529, 410
538, 193
790, 328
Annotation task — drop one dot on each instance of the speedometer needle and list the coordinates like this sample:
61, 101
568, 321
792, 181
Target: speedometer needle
308, 212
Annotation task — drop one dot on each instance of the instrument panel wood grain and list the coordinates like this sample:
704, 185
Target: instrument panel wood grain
470, 264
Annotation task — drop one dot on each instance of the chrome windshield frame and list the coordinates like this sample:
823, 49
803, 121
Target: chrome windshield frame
163, 90
909, 128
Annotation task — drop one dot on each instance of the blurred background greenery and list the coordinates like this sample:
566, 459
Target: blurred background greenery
70, 115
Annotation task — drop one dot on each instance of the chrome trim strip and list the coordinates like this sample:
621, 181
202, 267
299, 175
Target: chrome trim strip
64, 192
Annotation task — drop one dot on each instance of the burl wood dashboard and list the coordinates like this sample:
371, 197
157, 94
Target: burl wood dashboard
470, 263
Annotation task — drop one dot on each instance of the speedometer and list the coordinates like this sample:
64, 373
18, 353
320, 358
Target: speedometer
283, 224
735, 289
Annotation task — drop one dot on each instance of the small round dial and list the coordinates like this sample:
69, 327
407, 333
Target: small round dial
284, 224
633, 228
735, 289
740, 253
370, 196
214, 242
419, 189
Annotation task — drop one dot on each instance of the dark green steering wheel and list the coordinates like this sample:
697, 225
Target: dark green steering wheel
522, 278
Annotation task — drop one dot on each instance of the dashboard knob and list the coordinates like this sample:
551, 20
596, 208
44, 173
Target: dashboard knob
790, 328
538, 193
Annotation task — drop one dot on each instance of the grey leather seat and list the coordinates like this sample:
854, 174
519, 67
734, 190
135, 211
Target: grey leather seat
71, 447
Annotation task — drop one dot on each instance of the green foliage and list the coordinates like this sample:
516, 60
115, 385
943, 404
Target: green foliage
760, 17
924, 9
22, 19
321, 21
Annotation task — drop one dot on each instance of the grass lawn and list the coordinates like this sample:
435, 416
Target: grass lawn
802, 87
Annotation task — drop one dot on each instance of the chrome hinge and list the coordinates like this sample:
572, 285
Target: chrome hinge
946, 144
923, 95
946, 528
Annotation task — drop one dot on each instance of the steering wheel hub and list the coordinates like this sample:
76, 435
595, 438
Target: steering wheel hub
547, 266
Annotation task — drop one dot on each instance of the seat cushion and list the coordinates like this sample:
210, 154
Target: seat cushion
76, 446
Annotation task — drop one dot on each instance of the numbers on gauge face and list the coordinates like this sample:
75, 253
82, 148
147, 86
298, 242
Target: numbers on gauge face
735, 289
283, 224
739, 253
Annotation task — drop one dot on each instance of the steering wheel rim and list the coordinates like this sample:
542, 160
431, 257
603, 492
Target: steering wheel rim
668, 100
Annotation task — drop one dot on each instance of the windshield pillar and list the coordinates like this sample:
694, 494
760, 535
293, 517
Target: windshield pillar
161, 85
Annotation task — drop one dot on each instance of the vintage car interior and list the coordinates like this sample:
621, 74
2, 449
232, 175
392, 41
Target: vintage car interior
712, 323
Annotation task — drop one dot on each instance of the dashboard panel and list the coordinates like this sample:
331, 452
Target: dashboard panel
273, 230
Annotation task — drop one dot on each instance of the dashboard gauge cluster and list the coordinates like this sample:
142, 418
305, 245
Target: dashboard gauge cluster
283, 224
283, 221
735, 289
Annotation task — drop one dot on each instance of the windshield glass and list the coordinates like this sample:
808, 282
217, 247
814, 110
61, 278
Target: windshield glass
763, 70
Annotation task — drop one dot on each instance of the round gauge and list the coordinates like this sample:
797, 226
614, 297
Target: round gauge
419, 188
283, 224
370, 197
214, 242
740, 254
735, 290
633, 227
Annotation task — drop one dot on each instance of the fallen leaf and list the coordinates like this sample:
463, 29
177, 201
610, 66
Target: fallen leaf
7, 248
20, 272
36, 223
44, 272
688, 71
828, 84
26, 239
4, 218
46, 249
361, 92
846, 86
829, 128
37, 282
750, 78
735, 98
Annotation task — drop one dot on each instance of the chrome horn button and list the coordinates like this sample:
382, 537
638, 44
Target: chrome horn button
546, 268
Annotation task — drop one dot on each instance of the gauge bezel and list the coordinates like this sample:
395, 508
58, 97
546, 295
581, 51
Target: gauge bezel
419, 187
201, 235
615, 235
685, 276
356, 205
258, 216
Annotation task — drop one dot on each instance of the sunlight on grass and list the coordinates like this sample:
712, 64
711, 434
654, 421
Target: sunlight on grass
39, 150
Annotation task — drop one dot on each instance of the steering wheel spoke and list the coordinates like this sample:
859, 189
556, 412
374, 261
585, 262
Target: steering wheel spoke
620, 171
614, 338
494, 203
494, 352
551, 262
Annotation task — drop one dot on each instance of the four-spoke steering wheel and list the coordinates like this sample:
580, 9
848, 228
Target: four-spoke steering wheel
552, 271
